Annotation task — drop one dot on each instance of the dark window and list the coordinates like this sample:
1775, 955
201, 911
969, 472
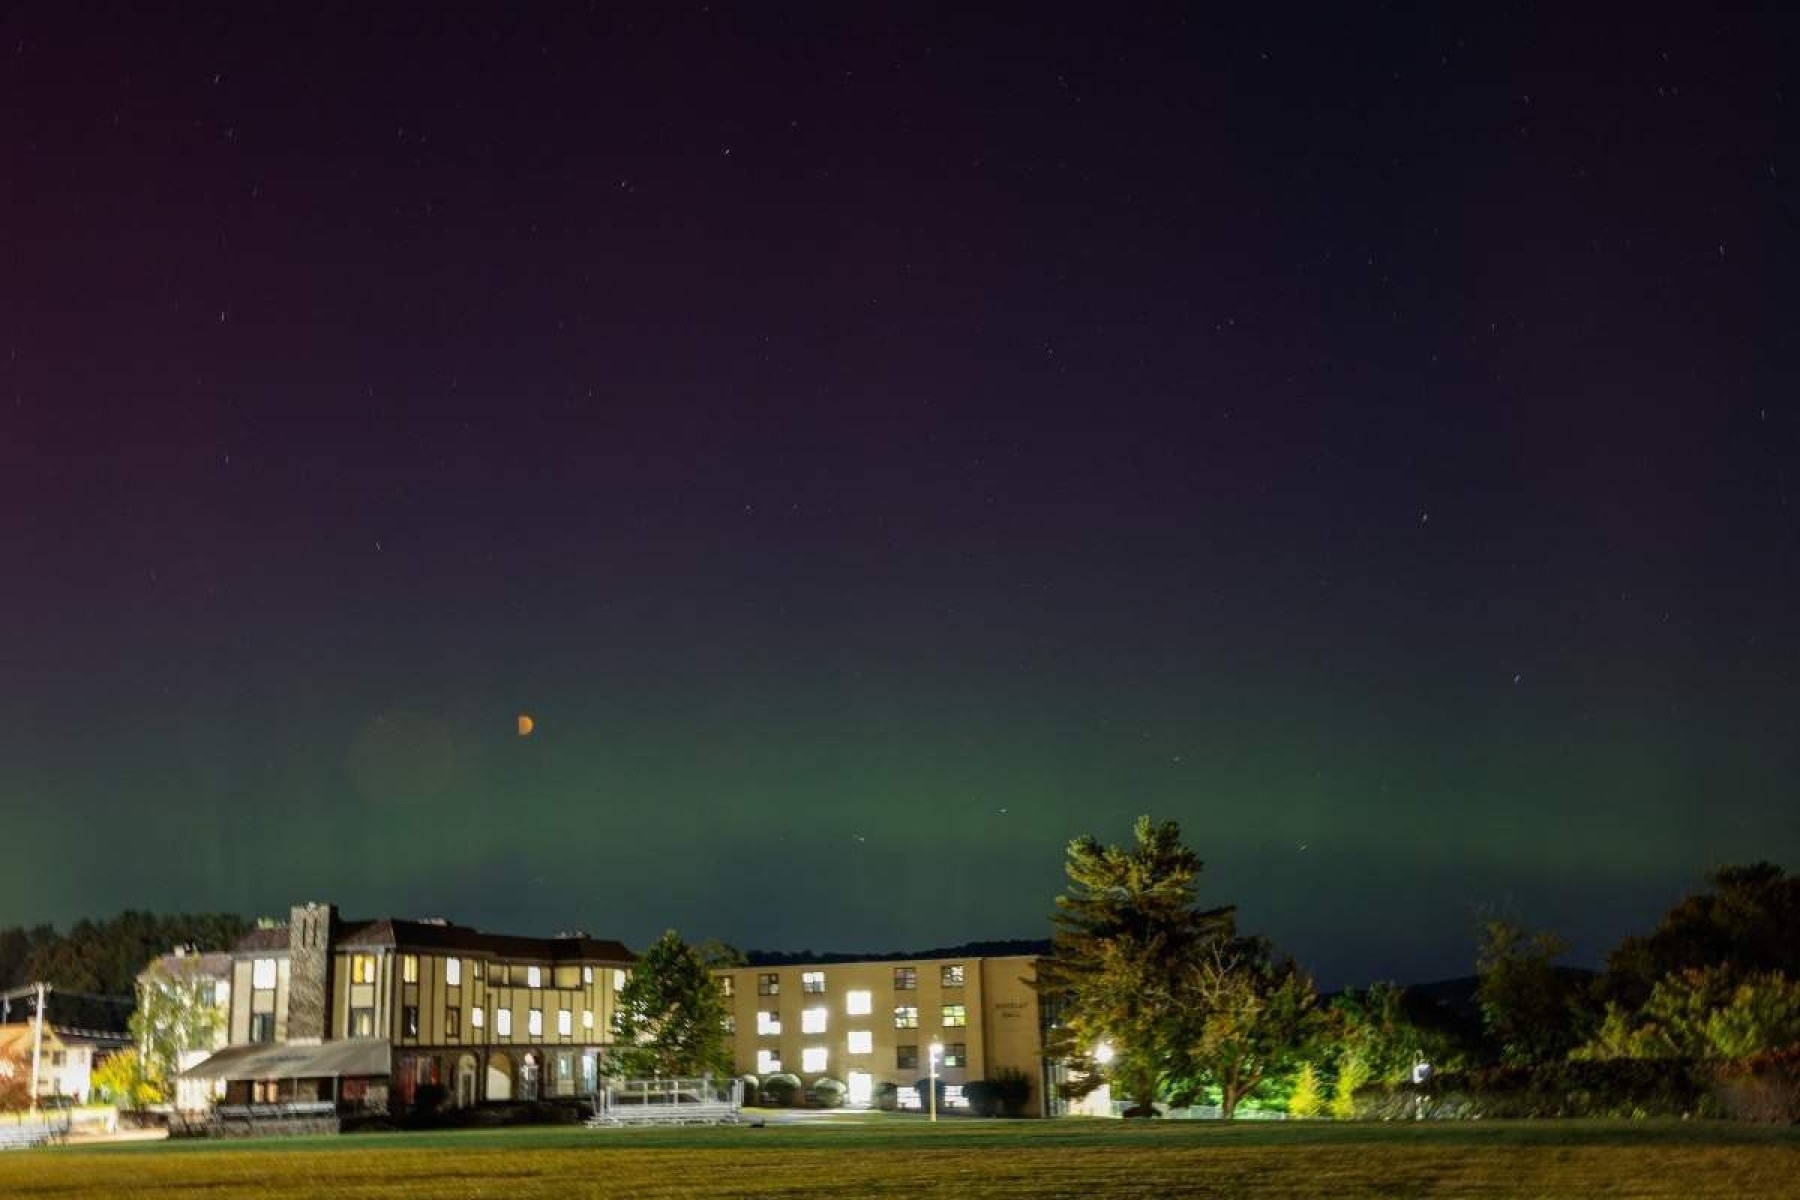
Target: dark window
906, 979
768, 985
906, 1058
956, 1054
262, 1027
409, 1018
453, 1022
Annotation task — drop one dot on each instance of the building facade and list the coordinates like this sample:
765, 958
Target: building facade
66, 1058
371, 1013
870, 1025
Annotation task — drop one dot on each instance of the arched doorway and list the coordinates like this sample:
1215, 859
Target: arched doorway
465, 1081
499, 1077
528, 1077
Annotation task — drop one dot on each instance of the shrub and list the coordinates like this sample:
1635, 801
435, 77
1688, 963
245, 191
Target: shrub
1308, 1100
429, 1097
1353, 1073
829, 1092
781, 1091
924, 1087
1629, 1088
887, 1096
751, 1090
1764, 1088
1005, 1095
1015, 1091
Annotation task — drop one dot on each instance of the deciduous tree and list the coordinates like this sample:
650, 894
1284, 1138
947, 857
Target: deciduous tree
671, 1015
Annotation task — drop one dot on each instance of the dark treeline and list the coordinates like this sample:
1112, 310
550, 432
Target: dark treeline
102, 958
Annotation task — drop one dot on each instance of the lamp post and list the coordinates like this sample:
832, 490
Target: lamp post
937, 1052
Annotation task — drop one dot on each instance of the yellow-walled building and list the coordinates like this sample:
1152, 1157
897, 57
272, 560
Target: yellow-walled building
870, 1025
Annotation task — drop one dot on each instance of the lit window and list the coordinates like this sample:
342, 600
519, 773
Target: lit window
813, 1059
768, 985
862, 1042
409, 968
727, 986
906, 979
812, 982
955, 1016
767, 1062
587, 1018
453, 1022
812, 1020
362, 968
730, 1023
503, 1022
452, 972
906, 1058
951, 975
859, 1004
262, 973
768, 1024
908, 1097
956, 1054
409, 1020
862, 1088
534, 977
477, 1018
565, 1023
953, 1096
534, 1023
906, 1016
618, 981
587, 975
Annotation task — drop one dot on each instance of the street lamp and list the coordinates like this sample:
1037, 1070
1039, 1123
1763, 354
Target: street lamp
1103, 1053
937, 1052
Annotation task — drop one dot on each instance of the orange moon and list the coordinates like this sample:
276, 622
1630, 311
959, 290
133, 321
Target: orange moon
526, 724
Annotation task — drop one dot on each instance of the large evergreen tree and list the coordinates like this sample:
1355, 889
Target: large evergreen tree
1128, 935
671, 1015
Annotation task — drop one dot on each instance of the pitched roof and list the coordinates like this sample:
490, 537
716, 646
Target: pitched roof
394, 933
15, 1039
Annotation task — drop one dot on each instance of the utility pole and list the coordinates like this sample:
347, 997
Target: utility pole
37, 1046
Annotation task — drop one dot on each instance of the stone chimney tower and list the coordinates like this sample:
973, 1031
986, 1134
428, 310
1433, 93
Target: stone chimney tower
309, 970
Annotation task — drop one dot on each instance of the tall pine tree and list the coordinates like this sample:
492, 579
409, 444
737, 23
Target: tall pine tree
1128, 933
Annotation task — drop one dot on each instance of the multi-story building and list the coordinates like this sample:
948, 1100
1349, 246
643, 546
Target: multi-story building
872, 1023
66, 1057
369, 1012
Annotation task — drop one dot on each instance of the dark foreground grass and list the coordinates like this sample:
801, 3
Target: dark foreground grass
896, 1157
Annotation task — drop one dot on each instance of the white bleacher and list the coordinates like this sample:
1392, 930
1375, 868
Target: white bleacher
638, 1102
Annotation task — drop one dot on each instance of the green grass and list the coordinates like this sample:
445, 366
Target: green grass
878, 1155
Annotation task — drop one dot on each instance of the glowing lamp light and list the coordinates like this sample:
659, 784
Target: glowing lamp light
526, 724
1103, 1053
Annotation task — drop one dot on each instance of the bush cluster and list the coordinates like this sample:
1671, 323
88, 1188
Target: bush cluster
1631, 1088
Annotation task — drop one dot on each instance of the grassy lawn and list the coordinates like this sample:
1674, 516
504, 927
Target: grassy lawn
876, 1156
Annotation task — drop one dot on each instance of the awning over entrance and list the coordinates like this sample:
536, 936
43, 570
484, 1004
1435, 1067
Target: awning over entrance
284, 1060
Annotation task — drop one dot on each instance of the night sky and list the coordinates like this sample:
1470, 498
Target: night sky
877, 447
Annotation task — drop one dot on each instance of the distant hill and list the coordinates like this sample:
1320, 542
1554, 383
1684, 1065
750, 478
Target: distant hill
1001, 949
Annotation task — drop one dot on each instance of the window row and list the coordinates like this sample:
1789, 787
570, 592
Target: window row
816, 1020
362, 1021
812, 983
906, 1058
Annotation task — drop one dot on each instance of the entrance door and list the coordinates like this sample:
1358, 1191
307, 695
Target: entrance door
465, 1082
